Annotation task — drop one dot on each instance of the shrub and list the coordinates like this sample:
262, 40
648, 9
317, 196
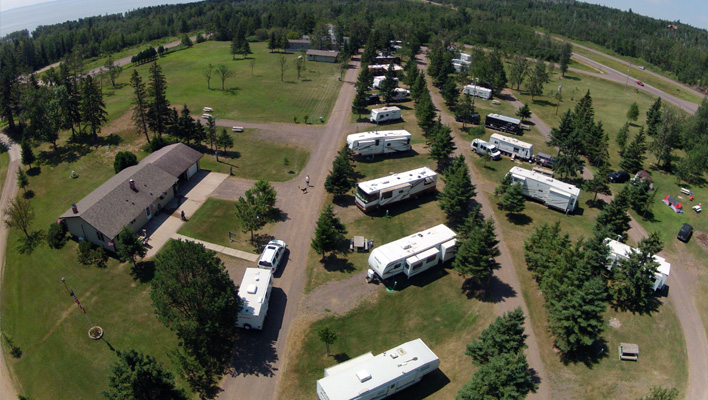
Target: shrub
123, 160
157, 143
56, 235
89, 254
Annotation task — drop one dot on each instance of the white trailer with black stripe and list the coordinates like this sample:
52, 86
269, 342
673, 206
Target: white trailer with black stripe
382, 192
551, 192
379, 142
414, 254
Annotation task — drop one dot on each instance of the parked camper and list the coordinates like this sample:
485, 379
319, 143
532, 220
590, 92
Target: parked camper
465, 57
237, 129
512, 147
207, 109
503, 123
206, 116
481, 147
376, 193
385, 114
551, 192
478, 91
400, 94
620, 252
379, 79
379, 142
369, 377
255, 292
460, 65
414, 254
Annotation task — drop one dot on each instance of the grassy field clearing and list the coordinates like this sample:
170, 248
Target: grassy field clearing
258, 97
213, 222
4, 161
434, 310
248, 158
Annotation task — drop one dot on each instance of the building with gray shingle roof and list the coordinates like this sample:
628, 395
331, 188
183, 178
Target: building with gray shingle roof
322, 55
133, 196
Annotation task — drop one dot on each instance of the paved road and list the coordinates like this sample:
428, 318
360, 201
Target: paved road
507, 286
9, 191
259, 361
680, 281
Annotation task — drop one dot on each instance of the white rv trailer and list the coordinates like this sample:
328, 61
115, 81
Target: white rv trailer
620, 251
384, 114
255, 292
415, 253
379, 142
551, 192
478, 91
512, 147
400, 94
465, 57
370, 377
384, 191
460, 64
379, 79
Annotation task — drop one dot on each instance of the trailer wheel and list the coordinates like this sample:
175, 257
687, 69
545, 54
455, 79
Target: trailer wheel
247, 326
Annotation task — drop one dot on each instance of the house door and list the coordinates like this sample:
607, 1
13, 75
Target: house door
148, 213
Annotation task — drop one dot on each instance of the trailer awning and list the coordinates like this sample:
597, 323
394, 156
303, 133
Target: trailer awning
392, 188
422, 256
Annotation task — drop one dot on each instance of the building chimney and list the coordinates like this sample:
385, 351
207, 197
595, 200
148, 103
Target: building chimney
132, 185
74, 208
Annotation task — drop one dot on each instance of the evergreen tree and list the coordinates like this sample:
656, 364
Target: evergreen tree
475, 254
93, 109
329, 232
411, 70
22, 180
543, 248
343, 176
633, 112
139, 376
235, 46
503, 336
565, 55
245, 49
506, 376
365, 79
524, 112
225, 141
27, 154
631, 286
654, 117
128, 246
123, 160
449, 91
419, 88
459, 190
140, 104
425, 115
600, 183
158, 107
496, 66
561, 136
360, 103
639, 194
568, 166
634, 155
614, 217
442, 146
272, 41
513, 201
389, 85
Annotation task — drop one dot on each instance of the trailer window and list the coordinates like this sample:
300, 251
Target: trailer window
387, 195
377, 142
431, 258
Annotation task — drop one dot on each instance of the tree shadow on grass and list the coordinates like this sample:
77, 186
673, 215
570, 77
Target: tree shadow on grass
401, 282
519, 219
590, 356
429, 385
68, 153
543, 103
652, 306
260, 240
143, 271
341, 357
28, 194
571, 77
26, 245
599, 204
334, 264
345, 200
495, 291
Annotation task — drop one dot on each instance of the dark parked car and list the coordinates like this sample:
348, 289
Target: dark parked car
468, 118
619, 177
545, 160
685, 233
373, 98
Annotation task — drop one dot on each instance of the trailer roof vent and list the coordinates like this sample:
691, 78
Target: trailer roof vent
251, 289
406, 247
261, 300
363, 375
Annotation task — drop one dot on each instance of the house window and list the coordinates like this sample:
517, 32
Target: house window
99, 235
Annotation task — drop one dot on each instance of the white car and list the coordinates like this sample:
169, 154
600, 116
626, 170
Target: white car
237, 129
272, 255
206, 116
207, 109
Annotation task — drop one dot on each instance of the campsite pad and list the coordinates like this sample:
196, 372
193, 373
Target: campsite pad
702, 239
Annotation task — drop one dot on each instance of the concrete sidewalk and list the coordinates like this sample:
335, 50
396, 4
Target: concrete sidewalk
163, 226
219, 248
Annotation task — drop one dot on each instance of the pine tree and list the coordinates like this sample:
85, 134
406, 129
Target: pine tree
343, 176
560, 136
93, 109
568, 166
631, 286
565, 55
442, 146
389, 84
411, 70
513, 201
22, 180
27, 154
614, 217
272, 41
506, 376
140, 377
359, 104
503, 336
158, 105
600, 183
459, 190
475, 254
235, 46
329, 232
654, 117
419, 88
634, 155
140, 105
365, 79
543, 248
425, 115
450, 92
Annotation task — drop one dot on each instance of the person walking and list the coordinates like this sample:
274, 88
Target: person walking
307, 180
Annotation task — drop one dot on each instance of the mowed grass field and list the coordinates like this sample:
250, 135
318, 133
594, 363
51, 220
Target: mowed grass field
257, 96
430, 306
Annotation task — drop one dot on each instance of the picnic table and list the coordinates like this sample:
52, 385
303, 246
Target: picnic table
359, 243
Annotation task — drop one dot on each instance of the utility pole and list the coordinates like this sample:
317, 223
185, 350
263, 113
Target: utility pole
627, 81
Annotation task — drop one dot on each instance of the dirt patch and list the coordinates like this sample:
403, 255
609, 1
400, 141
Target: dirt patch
615, 323
702, 239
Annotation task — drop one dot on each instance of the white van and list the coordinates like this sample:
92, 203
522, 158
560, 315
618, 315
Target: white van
481, 147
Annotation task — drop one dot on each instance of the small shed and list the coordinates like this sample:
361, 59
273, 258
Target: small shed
629, 351
673, 203
296, 45
329, 56
644, 176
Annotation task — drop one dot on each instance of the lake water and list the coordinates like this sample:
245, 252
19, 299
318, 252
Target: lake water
54, 12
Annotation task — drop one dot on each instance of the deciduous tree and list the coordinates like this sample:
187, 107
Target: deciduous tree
128, 246
224, 73
140, 377
328, 336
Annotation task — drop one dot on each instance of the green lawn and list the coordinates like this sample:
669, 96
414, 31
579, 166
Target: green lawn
59, 361
249, 158
4, 161
221, 213
258, 97
431, 307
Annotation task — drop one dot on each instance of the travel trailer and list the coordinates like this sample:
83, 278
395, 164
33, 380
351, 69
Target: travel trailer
503, 123
400, 94
379, 79
551, 192
383, 192
385, 114
478, 91
620, 251
370, 377
379, 142
255, 291
512, 146
415, 253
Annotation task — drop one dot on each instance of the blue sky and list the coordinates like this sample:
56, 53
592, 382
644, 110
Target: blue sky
691, 12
